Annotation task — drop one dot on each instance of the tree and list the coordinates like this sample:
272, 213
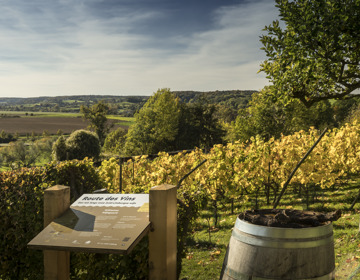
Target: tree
17, 155
45, 133
353, 115
59, 151
3, 134
96, 114
199, 126
80, 144
268, 117
115, 141
6, 137
156, 125
33, 136
166, 124
226, 113
20, 154
317, 54
344, 110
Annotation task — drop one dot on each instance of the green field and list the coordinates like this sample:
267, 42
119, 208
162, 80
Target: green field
122, 121
40, 114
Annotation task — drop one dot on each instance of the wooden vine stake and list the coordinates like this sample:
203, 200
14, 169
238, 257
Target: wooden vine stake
296, 168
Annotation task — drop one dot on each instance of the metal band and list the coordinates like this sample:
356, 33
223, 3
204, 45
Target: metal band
240, 276
275, 232
281, 243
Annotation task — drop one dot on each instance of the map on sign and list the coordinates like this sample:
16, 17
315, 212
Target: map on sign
98, 223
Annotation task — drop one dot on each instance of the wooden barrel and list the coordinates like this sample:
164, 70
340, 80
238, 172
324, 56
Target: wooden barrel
260, 252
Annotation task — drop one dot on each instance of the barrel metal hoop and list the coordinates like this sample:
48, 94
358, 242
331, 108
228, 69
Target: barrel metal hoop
241, 276
281, 243
276, 232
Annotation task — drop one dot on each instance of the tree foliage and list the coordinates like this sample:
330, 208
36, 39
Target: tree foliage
267, 116
80, 144
96, 114
115, 141
199, 126
346, 110
20, 154
6, 137
316, 56
156, 125
166, 124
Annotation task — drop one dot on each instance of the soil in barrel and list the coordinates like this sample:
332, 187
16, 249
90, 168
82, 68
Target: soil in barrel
289, 218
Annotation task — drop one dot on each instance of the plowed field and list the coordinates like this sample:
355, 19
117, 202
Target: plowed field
39, 124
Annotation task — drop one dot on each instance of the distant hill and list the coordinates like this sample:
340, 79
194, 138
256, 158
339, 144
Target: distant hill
234, 99
84, 99
120, 105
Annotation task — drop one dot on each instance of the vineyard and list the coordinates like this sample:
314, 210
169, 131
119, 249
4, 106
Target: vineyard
243, 171
251, 175
232, 178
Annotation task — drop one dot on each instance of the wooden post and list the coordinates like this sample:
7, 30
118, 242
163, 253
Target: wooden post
163, 234
56, 263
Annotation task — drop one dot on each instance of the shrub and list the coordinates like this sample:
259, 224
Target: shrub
115, 141
80, 175
80, 144
21, 219
59, 149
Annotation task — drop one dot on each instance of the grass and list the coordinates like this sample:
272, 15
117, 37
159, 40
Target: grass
206, 247
54, 115
22, 114
60, 114
12, 113
122, 121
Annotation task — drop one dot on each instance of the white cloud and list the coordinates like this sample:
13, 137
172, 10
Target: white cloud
225, 58
43, 52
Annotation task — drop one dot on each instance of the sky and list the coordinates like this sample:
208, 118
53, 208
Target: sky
130, 47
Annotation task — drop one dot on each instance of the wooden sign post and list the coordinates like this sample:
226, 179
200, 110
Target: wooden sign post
163, 233
56, 263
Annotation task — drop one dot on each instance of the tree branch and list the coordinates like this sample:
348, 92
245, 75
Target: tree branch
296, 168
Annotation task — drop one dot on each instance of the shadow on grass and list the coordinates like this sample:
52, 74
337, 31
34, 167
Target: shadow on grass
342, 226
203, 245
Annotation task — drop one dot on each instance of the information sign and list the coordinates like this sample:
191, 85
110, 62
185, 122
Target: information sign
98, 223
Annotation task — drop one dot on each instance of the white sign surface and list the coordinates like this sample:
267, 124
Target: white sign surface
98, 223
115, 200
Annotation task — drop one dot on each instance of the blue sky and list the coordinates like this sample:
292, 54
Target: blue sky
130, 47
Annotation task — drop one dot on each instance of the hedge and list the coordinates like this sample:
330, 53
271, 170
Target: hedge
21, 211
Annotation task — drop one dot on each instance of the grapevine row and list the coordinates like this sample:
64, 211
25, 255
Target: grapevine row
242, 169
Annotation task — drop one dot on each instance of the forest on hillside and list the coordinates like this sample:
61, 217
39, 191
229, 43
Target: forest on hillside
120, 105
